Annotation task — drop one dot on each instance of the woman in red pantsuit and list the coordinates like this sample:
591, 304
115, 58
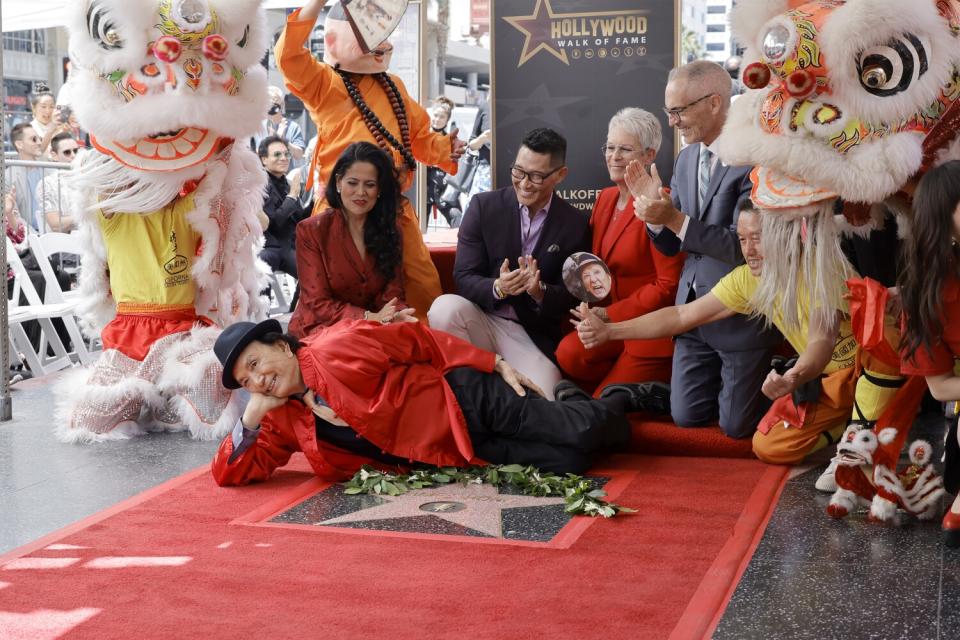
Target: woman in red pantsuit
643, 279
349, 257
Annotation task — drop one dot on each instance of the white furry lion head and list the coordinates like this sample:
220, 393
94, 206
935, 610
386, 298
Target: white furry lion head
162, 85
850, 99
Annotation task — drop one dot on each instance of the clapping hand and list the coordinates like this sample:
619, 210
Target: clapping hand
294, 179
511, 282
531, 273
592, 330
652, 202
642, 182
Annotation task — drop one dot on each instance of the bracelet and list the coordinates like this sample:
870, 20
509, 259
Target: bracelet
497, 291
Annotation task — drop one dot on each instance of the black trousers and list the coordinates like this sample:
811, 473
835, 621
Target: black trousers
280, 259
284, 260
506, 428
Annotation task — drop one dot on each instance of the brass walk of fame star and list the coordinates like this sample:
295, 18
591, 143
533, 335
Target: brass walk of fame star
483, 506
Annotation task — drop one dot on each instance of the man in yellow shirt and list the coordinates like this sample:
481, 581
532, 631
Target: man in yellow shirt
813, 398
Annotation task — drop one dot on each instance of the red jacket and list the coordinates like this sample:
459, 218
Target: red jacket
387, 382
335, 284
644, 279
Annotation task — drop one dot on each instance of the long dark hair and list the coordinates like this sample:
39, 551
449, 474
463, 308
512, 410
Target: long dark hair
929, 256
380, 233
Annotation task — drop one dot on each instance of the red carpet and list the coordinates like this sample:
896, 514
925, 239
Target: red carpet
169, 564
663, 438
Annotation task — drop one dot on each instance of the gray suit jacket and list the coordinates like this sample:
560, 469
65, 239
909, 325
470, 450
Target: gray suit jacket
712, 247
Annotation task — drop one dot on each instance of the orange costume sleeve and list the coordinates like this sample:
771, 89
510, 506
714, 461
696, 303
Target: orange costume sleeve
339, 124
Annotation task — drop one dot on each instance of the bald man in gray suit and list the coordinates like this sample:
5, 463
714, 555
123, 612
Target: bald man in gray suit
718, 369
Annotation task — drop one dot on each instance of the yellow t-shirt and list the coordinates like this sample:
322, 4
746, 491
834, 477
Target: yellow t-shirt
150, 255
735, 291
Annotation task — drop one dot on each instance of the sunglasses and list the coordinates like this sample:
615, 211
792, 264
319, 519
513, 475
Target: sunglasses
69, 152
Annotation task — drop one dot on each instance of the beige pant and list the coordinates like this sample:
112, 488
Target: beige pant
458, 316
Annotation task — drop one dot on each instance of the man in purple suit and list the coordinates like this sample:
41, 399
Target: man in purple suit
510, 254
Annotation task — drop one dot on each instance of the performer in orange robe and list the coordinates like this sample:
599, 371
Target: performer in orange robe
322, 86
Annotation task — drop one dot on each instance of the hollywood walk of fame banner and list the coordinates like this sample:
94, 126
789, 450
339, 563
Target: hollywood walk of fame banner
571, 65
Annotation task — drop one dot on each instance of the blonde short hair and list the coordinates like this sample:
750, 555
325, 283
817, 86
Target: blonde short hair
641, 124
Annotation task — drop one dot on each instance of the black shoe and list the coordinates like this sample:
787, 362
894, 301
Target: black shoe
648, 397
566, 391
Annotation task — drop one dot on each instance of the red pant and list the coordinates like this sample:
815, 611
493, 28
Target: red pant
132, 334
609, 363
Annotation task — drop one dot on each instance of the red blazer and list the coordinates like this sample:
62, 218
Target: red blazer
387, 382
335, 284
644, 279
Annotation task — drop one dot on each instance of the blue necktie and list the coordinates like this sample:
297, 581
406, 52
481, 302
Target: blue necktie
703, 176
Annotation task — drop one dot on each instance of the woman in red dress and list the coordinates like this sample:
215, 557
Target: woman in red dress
349, 257
643, 278
929, 287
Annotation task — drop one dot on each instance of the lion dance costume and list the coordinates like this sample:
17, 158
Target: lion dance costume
851, 101
170, 229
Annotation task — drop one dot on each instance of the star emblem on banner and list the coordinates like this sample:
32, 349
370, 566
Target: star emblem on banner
539, 105
475, 506
536, 28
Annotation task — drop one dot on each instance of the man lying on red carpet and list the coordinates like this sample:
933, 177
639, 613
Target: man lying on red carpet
395, 395
814, 398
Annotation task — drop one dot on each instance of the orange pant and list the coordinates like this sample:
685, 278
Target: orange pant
609, 363
790, 445
421, 282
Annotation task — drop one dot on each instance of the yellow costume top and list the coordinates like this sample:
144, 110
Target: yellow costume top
150, 256
737, 288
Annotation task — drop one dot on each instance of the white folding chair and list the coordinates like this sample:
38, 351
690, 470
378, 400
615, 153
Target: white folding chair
50, 244
37, 359
44, 246
281, 292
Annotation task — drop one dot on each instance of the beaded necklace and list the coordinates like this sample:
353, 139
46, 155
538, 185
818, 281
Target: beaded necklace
377, 130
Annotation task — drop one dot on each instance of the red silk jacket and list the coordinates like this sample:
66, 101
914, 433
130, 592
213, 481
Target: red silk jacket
387, 382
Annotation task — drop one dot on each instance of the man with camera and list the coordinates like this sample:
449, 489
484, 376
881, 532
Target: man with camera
276, 124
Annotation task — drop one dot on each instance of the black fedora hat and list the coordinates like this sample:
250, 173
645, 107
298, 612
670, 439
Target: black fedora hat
234, 340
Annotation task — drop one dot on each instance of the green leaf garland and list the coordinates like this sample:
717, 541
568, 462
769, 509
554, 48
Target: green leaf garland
579, 494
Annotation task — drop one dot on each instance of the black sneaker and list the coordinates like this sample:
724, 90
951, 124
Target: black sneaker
648, 397
565, 391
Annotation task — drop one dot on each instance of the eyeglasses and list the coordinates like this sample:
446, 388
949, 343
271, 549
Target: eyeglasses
69, 152
677, 112
535, 178
279, 155
613, 149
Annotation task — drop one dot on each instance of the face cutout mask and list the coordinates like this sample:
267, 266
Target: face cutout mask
343, 49
587, 277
